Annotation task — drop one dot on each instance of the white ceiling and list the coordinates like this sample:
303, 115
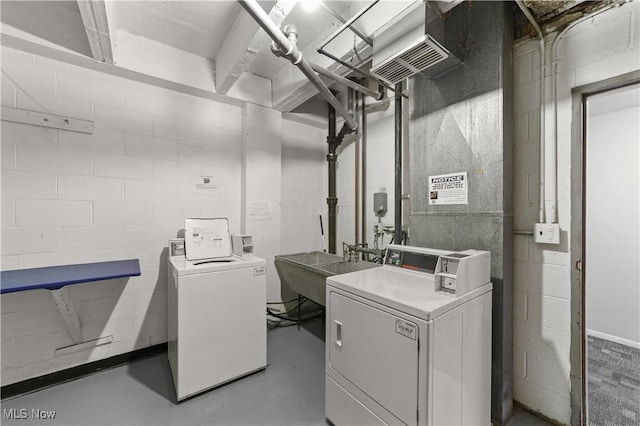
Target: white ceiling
199, 27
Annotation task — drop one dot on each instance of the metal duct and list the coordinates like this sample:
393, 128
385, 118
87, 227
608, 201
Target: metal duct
413, 42
463, 122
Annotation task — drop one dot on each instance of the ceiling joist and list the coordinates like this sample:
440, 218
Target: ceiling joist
98, 20
242, 44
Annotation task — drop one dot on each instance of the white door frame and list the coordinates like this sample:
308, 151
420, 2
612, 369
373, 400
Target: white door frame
578, 331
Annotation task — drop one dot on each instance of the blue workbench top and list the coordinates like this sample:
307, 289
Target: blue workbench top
55, 277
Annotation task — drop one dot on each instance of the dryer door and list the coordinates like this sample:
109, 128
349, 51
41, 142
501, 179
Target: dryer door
377, 352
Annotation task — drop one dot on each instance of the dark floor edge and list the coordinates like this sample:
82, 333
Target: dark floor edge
536, 413
73, 373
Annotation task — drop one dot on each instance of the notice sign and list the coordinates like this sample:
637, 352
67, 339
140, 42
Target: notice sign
448, 189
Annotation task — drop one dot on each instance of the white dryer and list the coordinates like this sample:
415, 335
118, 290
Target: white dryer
217, 328
410, 343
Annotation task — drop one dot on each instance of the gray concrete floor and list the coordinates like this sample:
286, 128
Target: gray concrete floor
289, 392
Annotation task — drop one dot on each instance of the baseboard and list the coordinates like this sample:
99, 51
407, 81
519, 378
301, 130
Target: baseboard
614, 339
57, 377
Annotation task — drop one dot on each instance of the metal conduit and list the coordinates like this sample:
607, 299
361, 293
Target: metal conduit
348, 24
344, 21
553, 217
397, 235
533, 22
363, 151
353, 101
346, 82
360, 72
290, 51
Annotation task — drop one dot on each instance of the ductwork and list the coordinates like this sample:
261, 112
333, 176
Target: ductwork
414, 42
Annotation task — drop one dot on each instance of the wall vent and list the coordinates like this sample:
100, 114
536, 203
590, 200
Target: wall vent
413, 42
413, 59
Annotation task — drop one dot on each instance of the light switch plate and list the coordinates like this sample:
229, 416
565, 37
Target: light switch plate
546, 233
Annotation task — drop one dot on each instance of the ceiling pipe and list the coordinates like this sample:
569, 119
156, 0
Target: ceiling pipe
379, 95
533, 22
286, 46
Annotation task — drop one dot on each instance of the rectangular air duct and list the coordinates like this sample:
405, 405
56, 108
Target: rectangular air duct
414, 42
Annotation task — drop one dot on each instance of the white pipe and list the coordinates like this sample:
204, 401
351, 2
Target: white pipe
553, 216
542, 107
291, 52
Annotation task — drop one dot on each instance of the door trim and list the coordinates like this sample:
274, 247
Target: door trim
578, 352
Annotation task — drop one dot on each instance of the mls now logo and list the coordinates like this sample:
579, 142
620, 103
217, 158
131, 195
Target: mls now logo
14, 413
23, 413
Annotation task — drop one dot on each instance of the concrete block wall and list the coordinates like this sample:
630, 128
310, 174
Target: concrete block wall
262, 171
304, 187
595, 50
118, 193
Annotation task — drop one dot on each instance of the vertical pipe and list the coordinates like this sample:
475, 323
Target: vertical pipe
362, 127
397, 237
353, 101
523, 7
332, 199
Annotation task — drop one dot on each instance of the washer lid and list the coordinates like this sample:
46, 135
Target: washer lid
406, 291
189, 267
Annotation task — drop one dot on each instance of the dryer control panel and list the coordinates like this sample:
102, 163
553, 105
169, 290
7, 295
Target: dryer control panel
460, 272
455, 273
422, 262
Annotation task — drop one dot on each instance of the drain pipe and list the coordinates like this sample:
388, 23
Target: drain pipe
397, 236
535, 25
363, 185
353, 102
332, 200
286, 46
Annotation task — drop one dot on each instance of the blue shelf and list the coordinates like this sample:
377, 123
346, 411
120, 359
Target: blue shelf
56, 277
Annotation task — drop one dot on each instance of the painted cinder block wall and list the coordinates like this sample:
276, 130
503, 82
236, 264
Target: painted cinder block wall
121, 193
595, 50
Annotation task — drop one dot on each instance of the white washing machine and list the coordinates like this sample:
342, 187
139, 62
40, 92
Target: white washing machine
217, 327
410, 343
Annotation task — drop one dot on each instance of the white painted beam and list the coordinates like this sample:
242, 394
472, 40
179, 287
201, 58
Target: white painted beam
97, 17
242, 44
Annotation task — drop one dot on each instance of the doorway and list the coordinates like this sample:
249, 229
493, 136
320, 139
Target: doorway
611, 255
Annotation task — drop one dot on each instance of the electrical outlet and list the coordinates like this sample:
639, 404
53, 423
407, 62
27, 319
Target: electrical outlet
546, 233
